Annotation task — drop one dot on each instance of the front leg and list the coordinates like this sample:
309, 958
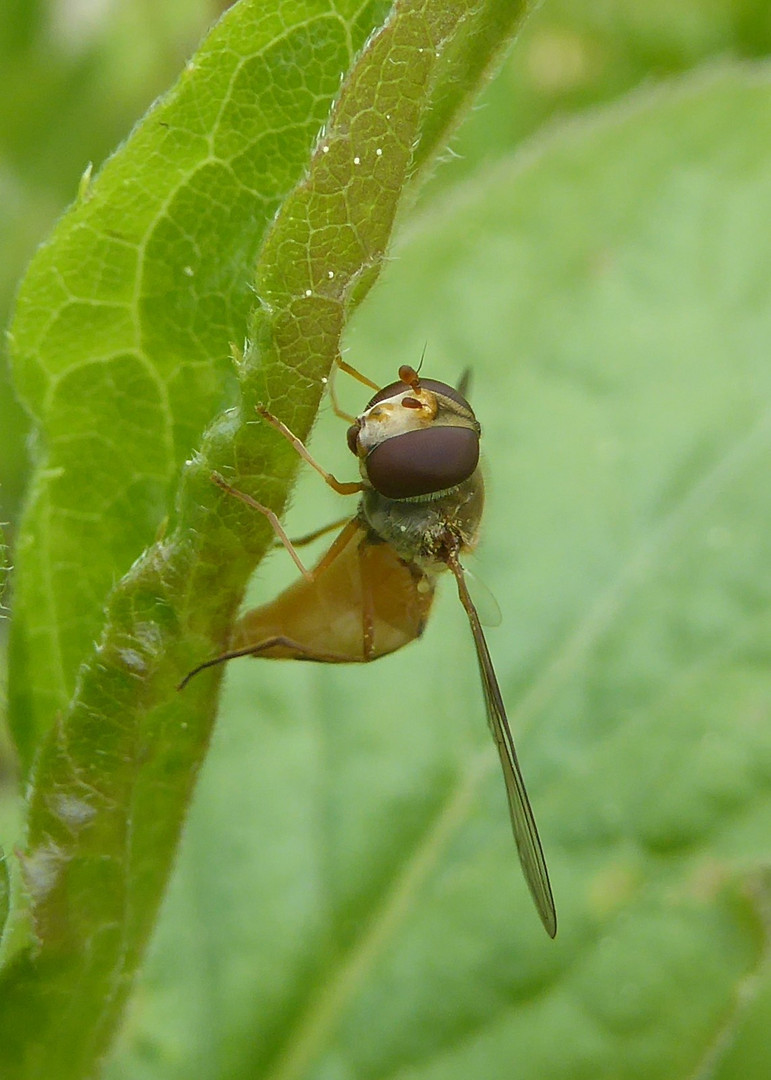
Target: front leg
352, 487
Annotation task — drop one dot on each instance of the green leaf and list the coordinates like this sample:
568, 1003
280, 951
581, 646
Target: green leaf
121, 338
348, 900
123, 326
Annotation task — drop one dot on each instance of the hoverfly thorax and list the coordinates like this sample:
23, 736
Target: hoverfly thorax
416, 438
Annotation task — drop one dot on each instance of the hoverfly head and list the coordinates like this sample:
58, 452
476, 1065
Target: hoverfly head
416, 437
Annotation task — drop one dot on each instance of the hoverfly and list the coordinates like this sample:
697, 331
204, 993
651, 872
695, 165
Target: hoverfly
422, 493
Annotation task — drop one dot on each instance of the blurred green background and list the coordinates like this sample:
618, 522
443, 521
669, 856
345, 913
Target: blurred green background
611, 422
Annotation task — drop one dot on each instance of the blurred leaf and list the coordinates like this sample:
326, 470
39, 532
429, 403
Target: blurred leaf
573, 54
348, 901
5, 893
120, 340
747, 1055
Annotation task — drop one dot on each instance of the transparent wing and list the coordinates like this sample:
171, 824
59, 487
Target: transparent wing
522, 819
483, 600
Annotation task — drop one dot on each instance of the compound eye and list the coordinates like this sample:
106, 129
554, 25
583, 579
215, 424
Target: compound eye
424, 461
353, 437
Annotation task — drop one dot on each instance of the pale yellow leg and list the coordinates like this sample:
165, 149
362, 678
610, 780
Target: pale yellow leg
351, 487
266, 511
350, 370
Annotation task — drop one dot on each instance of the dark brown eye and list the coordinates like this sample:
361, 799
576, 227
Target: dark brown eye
353, 436
424, 461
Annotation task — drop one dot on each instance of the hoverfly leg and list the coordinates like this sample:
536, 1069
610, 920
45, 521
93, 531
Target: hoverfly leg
340, 542
316, 534
340, 413
352, 487
349, 369
293, 648
283, 540
266, 511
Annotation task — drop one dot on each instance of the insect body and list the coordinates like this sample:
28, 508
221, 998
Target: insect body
422, 495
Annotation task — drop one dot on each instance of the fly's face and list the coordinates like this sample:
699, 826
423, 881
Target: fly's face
416, 437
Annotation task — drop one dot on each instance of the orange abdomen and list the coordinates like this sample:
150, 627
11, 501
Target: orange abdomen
364, 603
